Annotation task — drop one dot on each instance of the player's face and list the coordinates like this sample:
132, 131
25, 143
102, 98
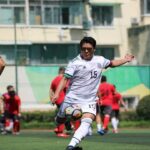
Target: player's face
87, 51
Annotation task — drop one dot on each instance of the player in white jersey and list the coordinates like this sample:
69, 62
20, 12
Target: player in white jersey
84, 73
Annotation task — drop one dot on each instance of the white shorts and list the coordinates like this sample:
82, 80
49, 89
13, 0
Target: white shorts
86, 108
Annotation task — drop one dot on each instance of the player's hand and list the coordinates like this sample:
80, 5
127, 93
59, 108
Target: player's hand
54, 98
19, 115
129, 57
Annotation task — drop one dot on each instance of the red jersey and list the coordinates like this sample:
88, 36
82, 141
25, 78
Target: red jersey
54, 86
106, 91
116, 99
11, 104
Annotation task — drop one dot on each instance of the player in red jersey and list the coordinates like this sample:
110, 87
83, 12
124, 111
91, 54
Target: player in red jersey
11, 110
117, 101
106, 91
54, 84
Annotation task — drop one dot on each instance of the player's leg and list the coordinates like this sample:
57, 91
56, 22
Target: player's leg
61, 119
83, 130
98, 118
114, 121
2, 122
16, 127
59, 127
107, 113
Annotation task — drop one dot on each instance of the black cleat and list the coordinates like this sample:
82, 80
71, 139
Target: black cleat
73, 148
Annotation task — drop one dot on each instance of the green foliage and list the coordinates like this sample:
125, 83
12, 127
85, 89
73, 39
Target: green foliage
129, 116
38, 119
143, 108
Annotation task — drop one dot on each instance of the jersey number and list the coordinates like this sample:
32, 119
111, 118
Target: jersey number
93, 74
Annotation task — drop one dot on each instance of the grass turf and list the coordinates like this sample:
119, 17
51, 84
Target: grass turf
133, 139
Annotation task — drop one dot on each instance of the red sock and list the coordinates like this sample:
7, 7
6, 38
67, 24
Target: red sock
106, 121
76, 124
16, 126
7, 123
61, 128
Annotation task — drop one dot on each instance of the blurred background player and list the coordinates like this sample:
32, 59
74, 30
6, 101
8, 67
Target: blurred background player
59, 130
84, 73
11, 111
106, 91
2, 65
117, 101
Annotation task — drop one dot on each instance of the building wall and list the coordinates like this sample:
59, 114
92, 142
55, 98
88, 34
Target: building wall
139, 42
115, 35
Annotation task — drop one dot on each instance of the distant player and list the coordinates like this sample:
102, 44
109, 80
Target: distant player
117, 101
54, 84
84, 73
11, 111
2, 65
106, 91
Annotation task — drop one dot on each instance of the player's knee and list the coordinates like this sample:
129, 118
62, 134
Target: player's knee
60, 120
87, 120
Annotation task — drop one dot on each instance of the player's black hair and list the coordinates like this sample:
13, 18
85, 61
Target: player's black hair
114, 86
9, 87
103, 79
87, 39
61, 69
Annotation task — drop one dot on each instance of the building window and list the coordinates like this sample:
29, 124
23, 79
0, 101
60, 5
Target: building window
52, 53
107, 52
61, 15
102, 15
65, 15
35, 15
55, 12
11, 9
145, 6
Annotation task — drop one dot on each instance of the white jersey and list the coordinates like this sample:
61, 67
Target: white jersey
85, 77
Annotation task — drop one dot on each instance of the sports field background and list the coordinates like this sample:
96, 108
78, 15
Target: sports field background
34, 81
127, 139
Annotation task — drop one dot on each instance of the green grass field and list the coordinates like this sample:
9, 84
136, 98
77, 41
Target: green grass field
131, 139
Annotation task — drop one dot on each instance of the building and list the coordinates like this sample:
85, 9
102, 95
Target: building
48, 31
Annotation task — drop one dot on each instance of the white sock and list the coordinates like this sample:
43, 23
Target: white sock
81, 132
114, 123
99, 127
117, 120
90, 131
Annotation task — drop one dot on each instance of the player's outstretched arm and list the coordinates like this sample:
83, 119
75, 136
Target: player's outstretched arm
2, 65
127, 58
60, 87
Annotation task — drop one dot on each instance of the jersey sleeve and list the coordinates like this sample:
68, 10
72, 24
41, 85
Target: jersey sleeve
70, 69
105, 62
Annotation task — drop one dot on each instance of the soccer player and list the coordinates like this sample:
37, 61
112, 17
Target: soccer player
11, 110
106, 91
54, 84
2, 65
117, 101
84, 73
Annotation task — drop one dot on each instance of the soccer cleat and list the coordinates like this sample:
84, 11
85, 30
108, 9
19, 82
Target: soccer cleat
56, 130
63, 135
115, 131
73, 148
102, 131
